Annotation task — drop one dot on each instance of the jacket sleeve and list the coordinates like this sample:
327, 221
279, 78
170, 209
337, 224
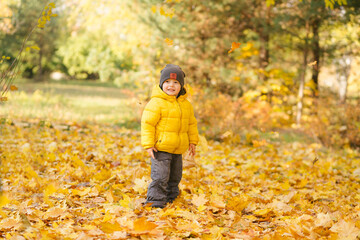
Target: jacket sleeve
193, 131
149, 119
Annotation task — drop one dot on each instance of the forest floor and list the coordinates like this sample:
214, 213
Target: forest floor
71, 179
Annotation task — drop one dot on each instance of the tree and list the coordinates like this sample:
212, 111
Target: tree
202, 34
9, 73
102, 43
343, 40
24, 24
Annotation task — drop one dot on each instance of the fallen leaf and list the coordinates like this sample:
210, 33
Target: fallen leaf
54, 213
263, 212
142, 226
199, 200
281, 207
238, 203
217, 201
4, 200
141, 185
13, 88
95, 232
108, 227
323, 220
346, 230
118, 235
234, 46
9, 223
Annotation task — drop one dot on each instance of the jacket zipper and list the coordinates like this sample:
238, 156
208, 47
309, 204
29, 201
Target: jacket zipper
180, 126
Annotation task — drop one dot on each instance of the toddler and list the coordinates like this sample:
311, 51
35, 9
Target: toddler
168, 129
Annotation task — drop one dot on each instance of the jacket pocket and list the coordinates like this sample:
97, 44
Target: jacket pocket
159, 141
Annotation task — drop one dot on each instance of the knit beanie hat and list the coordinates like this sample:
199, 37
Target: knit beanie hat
171, 71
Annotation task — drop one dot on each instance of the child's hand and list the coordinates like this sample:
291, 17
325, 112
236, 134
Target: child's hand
151, 152
192, 149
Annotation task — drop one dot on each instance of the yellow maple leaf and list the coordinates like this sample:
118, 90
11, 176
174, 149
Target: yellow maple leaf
169, 41
185, 226
281, 206
270, 2
289, 197
35, 47
238, 203
4, 200
109, 196
141, 185
162, 11
77, 162
83, 192
285, 185
234, 46
9, 223
153, 9
217, 201
55, 212
263, 212
345, 230
30, 173
108, 227
95, 232
103, 175
118, 235
303, 183
49, 190
142, 226
52, 147
323, 220
126, 201
257, 143
199, 200
168, 212
25, 148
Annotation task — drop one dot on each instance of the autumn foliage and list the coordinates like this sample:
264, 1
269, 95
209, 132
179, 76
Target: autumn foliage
69, 171
78, 181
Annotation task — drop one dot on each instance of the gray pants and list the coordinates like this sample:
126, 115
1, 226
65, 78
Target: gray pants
166, 173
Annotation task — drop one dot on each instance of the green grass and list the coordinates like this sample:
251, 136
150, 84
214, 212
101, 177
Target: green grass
287, 136
96, 102
72, 101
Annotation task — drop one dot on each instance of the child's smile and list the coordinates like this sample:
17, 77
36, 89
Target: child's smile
171, 87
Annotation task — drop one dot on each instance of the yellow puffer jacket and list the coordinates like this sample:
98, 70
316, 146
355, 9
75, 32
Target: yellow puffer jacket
168, 123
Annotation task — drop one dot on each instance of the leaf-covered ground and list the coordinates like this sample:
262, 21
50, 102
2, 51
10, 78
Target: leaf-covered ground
89, 182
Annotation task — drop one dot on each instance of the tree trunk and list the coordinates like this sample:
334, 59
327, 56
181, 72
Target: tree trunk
264, 51
343, 72
39, 73
343, 88
264, 37
301, 88
316, 53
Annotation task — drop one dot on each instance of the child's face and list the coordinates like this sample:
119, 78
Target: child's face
171, 87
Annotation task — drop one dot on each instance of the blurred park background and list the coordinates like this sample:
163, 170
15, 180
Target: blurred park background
259, 69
